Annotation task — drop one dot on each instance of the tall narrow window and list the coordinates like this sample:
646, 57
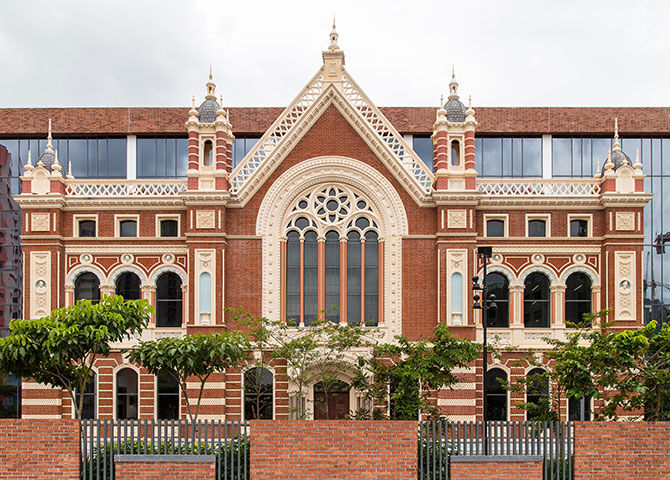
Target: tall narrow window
497, 285
126, 394
207, 153
496, 395
87, 287
293, 278
536, 301
88, 407
354, 277
205, 293
168, 300
537, 395
311, 272
371, 277
128, 286
258, 394
455, 154
457, 293
332, 276
167, 394
577, 297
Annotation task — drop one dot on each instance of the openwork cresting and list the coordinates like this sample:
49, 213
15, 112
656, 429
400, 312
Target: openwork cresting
101, 440
106, 188
545, 188
440, 440
266, 145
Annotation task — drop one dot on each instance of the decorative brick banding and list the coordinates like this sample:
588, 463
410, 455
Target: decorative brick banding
39, 449
333, 450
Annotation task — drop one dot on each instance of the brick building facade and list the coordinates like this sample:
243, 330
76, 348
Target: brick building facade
332, 201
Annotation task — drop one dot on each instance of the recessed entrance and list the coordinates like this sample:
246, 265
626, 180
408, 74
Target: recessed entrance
331, 400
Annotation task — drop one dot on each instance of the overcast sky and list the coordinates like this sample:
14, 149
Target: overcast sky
506, 53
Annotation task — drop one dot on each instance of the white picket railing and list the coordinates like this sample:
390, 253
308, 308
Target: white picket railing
539, 187
124, 188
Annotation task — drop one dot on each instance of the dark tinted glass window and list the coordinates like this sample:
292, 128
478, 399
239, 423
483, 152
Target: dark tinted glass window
10, 400
579, 228
169, 228
128, 286
353, 278
371, 300
537, 394
332, 268
88, 407
168, 300
311, 272
87, 228
162, 157
423, 147
258, 391
537, 228
126, 394
168, 396
128, 228
495, 228
579, 409
241, 147
577, 297
87, 287
496, 395
92, 158
293, 278
508, 156
536, 301
497, 285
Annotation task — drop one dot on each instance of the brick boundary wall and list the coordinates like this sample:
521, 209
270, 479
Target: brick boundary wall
622, 450
39, 449
333, 450
526, 467
161, 467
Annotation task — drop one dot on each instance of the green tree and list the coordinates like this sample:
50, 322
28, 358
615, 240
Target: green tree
627, 369
411, 370
61, 348
318, 353
196, 356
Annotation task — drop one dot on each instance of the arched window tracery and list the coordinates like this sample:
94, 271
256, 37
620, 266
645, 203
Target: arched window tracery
332, 255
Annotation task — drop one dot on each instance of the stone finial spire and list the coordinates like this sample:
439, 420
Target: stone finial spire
29, 164
617, 145
453, 85
333, 37
211, 86
637, 165
50, 147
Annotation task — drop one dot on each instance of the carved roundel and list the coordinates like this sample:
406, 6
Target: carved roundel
496, 259
86, 258
579, 258
537, 258
127, 258
168, 258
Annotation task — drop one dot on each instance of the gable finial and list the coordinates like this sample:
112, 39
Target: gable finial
441, 100
50, 147
453, 85
211, 86
617, 145
333, 37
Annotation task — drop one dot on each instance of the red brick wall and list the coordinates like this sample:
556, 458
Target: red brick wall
496, 470
39, 449
163, 470
622, 450
333, 450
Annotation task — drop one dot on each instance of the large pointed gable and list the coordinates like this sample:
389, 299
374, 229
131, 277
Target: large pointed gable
332, 85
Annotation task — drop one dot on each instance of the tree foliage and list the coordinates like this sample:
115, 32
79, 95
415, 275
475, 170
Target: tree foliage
404, 373
196, 356
60, 349
629, 370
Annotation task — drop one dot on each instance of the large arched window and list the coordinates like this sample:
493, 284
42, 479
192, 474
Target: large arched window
167, 395
88, 407
87, 287
258, 394
128, 286
496, 394
537, 394
577, 297
168, 300
126, 394
497, 285
536, 301
332, 258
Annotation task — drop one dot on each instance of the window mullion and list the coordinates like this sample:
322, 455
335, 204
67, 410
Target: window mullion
302, 281
343, 280
321, 273
362, 280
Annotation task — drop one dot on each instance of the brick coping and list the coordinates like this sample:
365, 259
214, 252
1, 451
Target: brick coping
495, 458
164, 458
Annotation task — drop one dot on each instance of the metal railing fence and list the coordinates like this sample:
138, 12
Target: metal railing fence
101, 440
439, 440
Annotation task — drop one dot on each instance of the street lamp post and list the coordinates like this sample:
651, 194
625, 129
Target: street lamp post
487, 304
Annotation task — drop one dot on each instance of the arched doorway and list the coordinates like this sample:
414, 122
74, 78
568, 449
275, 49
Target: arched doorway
331, 400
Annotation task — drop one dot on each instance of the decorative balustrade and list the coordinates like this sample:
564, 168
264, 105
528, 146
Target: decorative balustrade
124, 188
539, 187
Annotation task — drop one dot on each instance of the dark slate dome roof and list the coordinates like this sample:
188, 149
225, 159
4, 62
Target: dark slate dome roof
47, 159
618, 159
207, 111
455, 110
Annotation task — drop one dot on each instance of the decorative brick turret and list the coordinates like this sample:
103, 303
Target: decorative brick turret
210, 140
